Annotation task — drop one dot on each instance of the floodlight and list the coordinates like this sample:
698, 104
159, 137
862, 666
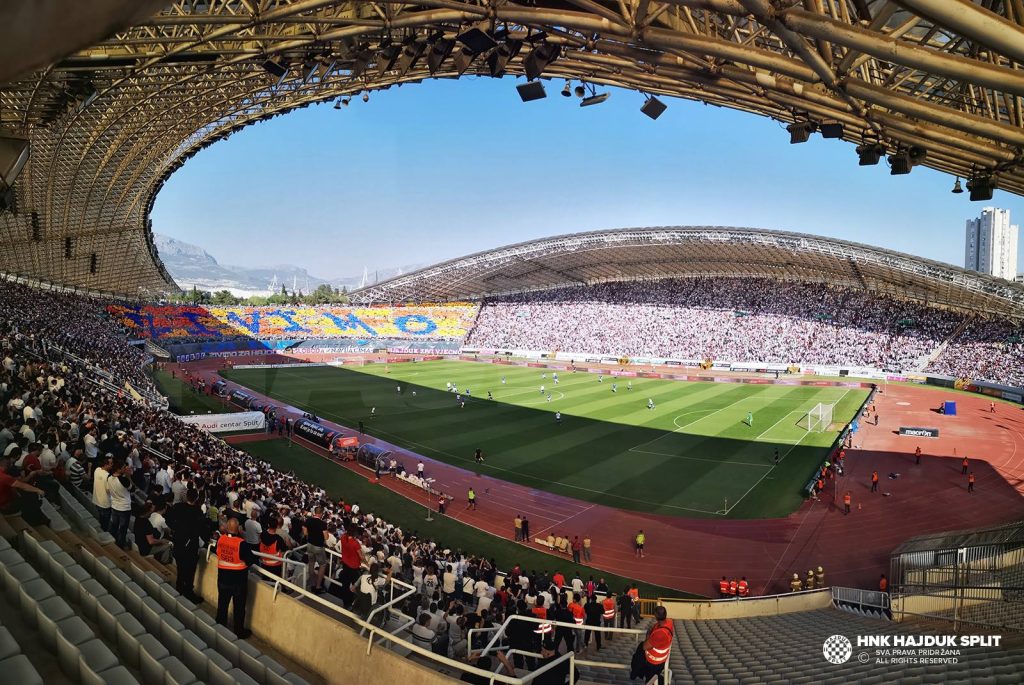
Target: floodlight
14, 151
579, 91
870, 153
899, 163
800, 132
539, 59
832, 130
275, 68
439, 52
478, 38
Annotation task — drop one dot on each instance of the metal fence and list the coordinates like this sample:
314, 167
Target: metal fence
971, 578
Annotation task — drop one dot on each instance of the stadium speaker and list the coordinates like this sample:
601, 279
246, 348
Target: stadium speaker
800, 132
14, 152
463, 58
899, 164
531, 90
981, 188
68, 247
653, 107
92, 263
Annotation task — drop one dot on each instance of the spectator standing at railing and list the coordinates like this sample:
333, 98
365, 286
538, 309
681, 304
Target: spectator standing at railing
593, 614
313, 529
190, 529
351, 561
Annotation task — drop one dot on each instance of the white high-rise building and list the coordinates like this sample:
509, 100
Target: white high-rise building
991, 244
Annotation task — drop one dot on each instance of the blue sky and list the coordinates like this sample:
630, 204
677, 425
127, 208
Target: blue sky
436, 170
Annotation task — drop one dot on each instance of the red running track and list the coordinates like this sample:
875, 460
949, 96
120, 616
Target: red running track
691, 554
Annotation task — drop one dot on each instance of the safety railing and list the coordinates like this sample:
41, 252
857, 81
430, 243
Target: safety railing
862, 600
407, 590
377, 635
291, 569
638, 635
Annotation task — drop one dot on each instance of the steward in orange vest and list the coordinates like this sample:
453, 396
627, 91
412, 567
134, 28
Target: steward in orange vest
273, 545
723, 587
733, 588
743, 587
608, 617
651, 656
233, 560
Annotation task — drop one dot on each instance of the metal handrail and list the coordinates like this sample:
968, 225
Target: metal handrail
382, 635
635, 632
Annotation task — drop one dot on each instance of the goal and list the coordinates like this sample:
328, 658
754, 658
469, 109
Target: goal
820, 418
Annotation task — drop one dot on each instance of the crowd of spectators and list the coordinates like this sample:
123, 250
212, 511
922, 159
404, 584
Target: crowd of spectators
60, 427
986, 349
725, 319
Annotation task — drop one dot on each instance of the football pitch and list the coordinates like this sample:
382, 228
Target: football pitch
693, 454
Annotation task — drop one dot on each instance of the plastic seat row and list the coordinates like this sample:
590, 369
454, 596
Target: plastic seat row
150, 639
13, 664
81, 655
82, 517
200, 630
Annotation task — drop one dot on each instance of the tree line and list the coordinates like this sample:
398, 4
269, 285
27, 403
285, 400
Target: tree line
323, 294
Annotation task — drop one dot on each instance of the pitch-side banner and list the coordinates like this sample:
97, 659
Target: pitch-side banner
220, 423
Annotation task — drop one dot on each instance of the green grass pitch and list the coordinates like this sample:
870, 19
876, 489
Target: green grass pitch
692, 455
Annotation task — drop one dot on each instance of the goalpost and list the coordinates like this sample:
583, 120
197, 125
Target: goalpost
820, 418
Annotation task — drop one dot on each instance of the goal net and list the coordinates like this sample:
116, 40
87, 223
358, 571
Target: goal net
819, 418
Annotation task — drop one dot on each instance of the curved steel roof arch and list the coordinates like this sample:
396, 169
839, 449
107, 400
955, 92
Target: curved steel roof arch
109, 123
688, 251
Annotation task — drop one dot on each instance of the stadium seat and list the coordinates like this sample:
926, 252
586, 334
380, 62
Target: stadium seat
14, 576
176, 673
249, 661
48, 613
240, 677
152, 615
71, 584
8, 645
129, 630
18, 669
227, 644
33, 592
151, 653
108, 609
118, 675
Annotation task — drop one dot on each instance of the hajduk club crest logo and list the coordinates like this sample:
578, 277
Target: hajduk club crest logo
837, 649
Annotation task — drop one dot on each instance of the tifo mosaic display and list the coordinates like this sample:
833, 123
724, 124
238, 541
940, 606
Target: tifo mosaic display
212, 323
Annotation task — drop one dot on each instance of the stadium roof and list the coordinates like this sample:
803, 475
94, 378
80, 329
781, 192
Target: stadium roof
114, 98
687, 251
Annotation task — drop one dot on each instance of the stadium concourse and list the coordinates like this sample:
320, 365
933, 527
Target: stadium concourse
691, 554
